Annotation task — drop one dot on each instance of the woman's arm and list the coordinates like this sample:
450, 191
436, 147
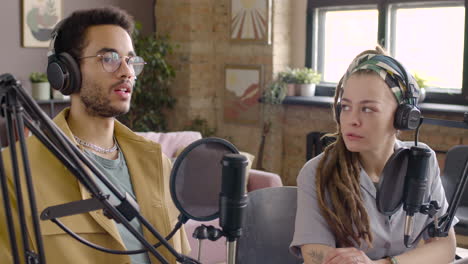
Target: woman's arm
437, 250
314, 253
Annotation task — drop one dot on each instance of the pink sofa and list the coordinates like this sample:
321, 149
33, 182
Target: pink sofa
172, 143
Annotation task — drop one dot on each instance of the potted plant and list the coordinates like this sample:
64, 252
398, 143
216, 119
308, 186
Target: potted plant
287, 77
422, 87
40, 87
151, 96
306, 79
275, 92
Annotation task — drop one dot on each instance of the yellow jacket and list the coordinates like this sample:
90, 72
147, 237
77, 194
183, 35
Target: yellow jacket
54, 184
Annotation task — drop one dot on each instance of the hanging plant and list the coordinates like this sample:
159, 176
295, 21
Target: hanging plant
151, 94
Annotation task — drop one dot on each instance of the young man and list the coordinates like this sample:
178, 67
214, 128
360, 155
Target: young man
99, 42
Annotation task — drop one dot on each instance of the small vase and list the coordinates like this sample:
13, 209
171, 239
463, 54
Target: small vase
40, 91
307, 89
291, 89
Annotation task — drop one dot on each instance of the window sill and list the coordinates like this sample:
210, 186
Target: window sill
327, 101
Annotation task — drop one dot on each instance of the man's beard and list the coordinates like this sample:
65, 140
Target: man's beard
96, 101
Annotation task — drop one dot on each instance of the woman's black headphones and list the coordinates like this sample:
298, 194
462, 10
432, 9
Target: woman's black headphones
407, 115
63, 71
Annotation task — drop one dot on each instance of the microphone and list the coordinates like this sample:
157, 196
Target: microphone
415, 186
233, 200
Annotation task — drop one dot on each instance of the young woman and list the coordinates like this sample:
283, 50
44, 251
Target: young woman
337, 220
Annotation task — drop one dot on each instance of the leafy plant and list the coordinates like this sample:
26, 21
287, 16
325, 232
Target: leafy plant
420, 81
274, 93
287, 76
151, 94
306, 76
201, 125
38, 77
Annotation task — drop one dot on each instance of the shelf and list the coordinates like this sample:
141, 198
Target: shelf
50, 106
54, 101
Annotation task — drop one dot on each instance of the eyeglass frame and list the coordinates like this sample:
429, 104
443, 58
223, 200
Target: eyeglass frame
127, 59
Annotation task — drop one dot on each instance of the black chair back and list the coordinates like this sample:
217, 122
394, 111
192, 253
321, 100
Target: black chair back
269, 227
316, 142
452, 175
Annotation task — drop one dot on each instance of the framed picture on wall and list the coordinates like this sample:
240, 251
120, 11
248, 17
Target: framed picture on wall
242, 93
251, 21
39, 18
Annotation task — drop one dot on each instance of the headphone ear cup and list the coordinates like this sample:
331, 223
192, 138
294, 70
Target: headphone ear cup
64, 73
407, 117
338, 112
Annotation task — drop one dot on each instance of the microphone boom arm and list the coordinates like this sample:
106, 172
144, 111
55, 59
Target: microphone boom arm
443, 228
440, 227
17, 105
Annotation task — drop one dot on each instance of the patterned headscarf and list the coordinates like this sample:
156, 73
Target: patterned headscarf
391, 76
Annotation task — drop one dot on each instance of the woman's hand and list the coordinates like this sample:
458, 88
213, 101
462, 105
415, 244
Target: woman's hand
347, 256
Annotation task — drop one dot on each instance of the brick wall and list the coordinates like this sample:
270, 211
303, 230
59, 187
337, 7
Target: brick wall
300, 120
200, 31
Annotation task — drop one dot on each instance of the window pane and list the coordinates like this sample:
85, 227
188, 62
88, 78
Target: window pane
429, 42
347, 33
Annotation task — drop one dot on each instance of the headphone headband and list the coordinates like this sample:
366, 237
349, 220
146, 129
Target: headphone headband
51, 50
53, 36
63, 72
400, 81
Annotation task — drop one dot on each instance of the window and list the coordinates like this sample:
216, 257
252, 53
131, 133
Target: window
427, 37
344, 34
421, 41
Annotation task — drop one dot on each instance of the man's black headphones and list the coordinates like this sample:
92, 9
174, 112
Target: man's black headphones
63, 71
407, 115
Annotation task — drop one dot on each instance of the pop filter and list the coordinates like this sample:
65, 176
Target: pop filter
391, 186
196, 176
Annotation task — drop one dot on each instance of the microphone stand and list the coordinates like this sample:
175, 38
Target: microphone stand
19, 109
442, 229
233, 201
440, 226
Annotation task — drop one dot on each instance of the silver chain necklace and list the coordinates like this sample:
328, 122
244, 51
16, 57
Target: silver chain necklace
95, 147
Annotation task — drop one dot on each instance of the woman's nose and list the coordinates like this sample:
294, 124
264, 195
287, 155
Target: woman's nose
354, 118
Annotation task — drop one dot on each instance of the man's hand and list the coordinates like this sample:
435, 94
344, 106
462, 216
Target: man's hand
347, 256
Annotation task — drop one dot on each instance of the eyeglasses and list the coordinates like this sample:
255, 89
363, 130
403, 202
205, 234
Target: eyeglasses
111, 61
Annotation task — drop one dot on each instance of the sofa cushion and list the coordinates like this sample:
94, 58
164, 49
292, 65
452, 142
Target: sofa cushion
172, 142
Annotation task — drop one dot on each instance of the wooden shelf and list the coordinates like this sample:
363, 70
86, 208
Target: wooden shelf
50, 106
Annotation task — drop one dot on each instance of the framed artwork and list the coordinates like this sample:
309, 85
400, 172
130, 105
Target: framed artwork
251, 21
39, 18
242, 93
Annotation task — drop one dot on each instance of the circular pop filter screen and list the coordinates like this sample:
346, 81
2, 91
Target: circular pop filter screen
196, 178
391, 186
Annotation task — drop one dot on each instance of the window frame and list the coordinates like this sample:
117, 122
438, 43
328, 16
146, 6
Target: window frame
439, 96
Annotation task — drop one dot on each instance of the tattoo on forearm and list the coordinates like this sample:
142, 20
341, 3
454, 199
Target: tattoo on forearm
315, 256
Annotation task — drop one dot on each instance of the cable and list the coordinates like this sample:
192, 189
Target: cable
416, 133
112, 251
